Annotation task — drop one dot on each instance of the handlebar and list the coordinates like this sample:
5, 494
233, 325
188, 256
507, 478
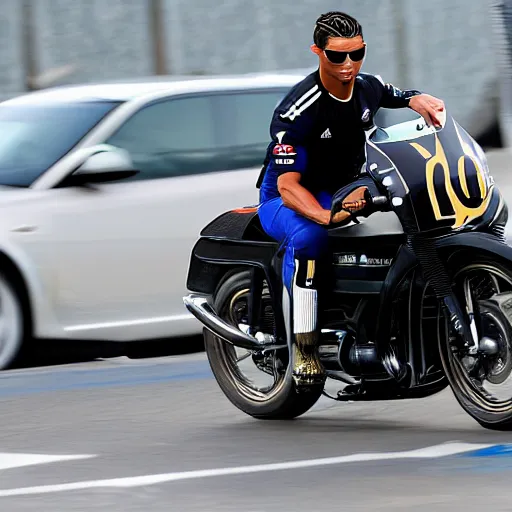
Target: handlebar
378, 200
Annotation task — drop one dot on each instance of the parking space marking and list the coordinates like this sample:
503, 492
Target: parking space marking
431, 452
19, 460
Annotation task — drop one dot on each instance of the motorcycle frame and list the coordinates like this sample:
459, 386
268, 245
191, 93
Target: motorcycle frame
263, 259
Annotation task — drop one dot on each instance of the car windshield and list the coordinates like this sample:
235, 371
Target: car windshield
34, 137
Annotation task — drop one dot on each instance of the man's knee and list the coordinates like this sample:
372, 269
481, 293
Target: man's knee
310, 242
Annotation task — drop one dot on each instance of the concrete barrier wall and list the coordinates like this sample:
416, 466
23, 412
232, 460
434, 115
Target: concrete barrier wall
501, 16
440, 46
100, 40
12, 74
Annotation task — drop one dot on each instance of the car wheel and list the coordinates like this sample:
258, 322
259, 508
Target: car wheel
12, 322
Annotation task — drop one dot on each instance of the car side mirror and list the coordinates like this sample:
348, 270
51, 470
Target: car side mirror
103, 167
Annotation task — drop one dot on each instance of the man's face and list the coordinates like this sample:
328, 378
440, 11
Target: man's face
346, 71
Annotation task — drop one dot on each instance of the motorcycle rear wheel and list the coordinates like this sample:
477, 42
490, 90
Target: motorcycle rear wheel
478, 381
280, 400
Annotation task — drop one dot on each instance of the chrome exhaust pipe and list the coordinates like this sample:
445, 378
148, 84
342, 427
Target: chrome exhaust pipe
199, 307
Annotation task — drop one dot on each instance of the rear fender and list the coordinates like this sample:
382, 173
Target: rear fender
232, 240
213, 258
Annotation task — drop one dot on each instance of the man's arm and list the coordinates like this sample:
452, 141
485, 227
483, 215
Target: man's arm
301, 200
288, 156
393, 97
290, 162
429, 107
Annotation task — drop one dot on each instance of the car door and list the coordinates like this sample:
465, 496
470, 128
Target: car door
124, 248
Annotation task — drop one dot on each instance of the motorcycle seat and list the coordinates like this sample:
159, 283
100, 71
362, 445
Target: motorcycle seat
238, 224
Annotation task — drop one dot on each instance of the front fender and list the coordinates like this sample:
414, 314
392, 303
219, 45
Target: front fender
483, 242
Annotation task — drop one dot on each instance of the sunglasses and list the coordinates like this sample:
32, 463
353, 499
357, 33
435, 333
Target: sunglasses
340, 57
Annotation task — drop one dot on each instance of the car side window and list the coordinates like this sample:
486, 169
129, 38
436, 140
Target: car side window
247, 117
174, 137
199, 134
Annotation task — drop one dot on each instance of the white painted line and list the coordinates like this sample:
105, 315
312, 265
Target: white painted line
442, 450
19, 460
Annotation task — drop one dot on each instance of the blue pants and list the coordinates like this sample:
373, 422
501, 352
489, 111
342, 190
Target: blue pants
301, 238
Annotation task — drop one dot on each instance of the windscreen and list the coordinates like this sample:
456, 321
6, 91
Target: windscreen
409, 130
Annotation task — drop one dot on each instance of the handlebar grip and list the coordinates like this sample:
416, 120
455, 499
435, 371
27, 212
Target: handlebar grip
379, 200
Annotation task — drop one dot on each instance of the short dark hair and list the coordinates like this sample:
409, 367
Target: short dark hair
335, 24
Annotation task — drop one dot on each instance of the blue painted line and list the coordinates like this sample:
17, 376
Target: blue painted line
26, 383
102, 384
498, 450
7, 376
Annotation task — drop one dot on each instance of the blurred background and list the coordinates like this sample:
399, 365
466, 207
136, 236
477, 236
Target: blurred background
459, 50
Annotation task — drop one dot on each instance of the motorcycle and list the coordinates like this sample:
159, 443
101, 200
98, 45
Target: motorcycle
416, 294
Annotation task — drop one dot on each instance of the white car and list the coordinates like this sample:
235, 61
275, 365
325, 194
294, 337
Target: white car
91, 251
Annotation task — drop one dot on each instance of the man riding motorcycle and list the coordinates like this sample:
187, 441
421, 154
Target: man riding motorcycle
318, 136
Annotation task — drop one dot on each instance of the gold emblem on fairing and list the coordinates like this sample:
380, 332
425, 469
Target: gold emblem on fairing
462, 214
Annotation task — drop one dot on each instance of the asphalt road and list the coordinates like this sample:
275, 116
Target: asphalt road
158, 435
126, 421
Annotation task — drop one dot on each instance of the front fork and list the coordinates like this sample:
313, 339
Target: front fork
470, 310
466, 331
436, 273
424, 253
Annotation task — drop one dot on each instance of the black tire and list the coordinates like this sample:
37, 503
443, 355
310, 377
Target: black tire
13, 346
285, 402
493, 416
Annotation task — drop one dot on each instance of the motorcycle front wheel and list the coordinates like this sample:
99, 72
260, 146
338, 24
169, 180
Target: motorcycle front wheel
482, 382
260, 385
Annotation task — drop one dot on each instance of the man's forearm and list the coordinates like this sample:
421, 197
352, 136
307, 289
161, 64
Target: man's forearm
393, 97
304, 202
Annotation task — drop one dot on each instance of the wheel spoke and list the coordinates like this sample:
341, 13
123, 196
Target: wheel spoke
482, 373
261, 379
471, 315
244, 357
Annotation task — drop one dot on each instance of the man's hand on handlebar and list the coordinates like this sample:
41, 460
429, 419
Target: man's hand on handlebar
353, 203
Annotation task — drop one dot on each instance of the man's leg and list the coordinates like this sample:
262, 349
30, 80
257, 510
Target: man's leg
304, 243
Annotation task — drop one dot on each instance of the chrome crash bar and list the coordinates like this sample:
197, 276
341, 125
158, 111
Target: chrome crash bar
198, 305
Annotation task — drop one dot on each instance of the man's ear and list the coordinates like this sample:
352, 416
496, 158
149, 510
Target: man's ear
315, 49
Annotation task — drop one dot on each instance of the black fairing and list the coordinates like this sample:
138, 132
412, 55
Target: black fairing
437, 179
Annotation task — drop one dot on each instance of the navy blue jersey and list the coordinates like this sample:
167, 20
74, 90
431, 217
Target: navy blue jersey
321, 137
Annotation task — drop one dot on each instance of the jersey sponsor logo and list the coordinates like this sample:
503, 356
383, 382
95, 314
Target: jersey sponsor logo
326, 134
366, 116
280, 137
285, 161
284, 149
